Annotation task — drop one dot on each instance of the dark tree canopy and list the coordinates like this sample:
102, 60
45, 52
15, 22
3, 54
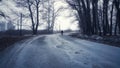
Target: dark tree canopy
96, 17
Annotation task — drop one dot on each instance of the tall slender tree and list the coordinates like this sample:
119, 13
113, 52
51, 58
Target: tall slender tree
117, 24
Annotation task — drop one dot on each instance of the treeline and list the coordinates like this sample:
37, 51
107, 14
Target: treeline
97, 17
37, 13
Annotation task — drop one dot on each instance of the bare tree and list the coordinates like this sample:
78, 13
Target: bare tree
84, 12
52, 13
21, 21
33, 7
35, 3
117, 24
97, 14
111, 18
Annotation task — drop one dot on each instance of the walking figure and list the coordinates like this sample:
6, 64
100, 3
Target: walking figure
62, 32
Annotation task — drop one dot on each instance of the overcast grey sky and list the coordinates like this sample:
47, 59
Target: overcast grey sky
63, 22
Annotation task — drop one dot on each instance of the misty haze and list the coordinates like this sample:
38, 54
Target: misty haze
59, 33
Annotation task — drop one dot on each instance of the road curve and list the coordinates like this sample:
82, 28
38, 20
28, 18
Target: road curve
56, 51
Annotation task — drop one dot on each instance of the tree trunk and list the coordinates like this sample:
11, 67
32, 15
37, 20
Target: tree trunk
111, 19
21, 16
37, 13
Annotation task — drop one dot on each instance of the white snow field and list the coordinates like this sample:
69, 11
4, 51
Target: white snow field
56, 51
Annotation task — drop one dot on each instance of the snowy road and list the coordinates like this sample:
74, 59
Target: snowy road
56, 51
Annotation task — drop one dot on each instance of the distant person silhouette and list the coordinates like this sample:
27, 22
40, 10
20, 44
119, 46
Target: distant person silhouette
62, 32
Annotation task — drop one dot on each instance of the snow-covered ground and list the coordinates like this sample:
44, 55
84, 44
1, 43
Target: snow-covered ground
56, 51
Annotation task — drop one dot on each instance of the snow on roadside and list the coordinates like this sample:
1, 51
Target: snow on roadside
56, 51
